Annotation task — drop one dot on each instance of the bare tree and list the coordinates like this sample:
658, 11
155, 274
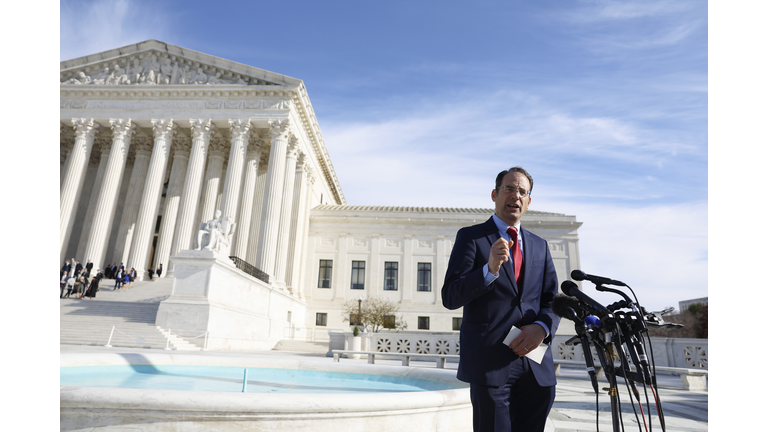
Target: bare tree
374, 314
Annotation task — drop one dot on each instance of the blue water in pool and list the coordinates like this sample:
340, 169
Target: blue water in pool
230, 379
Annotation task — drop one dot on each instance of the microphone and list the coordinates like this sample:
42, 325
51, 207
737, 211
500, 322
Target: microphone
593, 321
597, 280
563, 306
570, 288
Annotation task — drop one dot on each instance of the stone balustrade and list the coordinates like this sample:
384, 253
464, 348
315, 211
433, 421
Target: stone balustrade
667, 352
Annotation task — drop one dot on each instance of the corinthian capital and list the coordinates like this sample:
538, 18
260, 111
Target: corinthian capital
163, 129
85, 128
201, 129
239, 129
279, 128
293, 146
122, 129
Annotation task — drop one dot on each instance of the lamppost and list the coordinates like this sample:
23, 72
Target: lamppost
359, 310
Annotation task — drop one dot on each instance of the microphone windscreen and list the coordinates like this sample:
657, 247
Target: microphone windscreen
561, 303
578, 275
567, 286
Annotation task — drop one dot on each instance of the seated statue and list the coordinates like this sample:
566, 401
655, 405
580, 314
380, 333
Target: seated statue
216, 234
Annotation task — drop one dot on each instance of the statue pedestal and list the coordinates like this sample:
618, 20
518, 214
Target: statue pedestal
238, 311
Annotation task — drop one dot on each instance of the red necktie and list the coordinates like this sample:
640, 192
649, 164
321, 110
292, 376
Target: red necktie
517, 255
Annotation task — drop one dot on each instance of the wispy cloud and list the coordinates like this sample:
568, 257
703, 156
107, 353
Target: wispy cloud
661, 251
89, 27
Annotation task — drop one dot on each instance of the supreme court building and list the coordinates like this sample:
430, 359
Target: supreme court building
155, 138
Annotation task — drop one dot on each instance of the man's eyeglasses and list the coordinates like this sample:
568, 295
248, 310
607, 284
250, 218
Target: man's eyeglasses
511, 190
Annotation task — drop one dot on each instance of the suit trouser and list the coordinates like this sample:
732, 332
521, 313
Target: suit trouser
521, 405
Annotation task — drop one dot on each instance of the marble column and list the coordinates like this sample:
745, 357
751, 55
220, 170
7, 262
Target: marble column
186, 223
212, 182
105, 206
103, 146
65, 151
250, 177
153, 188
240, 131
303, 261
133, 198
72, 184
283, 234
258, 204
273, 195
181, 146
295, 241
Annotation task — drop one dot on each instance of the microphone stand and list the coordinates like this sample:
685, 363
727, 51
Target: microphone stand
605, 353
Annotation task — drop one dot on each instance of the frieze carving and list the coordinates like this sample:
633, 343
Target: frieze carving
260, 104
156, 69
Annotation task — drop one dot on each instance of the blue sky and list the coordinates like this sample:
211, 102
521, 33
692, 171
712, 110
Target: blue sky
422, 103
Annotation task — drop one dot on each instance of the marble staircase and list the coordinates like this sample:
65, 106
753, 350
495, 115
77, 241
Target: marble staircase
132, 313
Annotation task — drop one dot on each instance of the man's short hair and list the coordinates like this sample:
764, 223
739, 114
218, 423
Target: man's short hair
516, 169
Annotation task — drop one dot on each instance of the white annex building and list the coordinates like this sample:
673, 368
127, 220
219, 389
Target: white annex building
155, 138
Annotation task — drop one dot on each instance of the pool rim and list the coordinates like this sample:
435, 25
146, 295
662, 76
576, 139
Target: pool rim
260, 404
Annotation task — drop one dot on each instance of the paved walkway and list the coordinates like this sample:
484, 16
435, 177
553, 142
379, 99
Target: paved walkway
573, 411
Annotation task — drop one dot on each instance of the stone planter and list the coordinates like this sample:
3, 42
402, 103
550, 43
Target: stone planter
354, 343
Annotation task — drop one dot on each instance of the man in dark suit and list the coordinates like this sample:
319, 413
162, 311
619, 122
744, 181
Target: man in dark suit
88, 268
503, 276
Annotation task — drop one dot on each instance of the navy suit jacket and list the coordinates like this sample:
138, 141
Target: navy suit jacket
489, 312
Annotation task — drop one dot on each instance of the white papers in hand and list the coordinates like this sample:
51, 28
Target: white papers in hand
535, 355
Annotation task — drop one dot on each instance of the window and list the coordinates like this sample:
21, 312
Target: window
321, 319
358, 275
457, 324
324, 277
423, 323
390, 276
389, 321
424, 279
353, 319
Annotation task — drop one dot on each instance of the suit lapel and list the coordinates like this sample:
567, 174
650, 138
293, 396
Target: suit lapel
527, 255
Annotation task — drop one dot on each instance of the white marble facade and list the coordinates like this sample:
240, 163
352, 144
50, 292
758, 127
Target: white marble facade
155, 138
413, 240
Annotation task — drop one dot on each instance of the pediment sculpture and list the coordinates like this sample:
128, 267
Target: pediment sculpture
216, 234
158, 71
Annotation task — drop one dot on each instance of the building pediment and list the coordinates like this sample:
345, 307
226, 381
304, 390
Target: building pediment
157, 63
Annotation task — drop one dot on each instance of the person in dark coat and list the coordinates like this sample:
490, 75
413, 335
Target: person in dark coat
94, 285
159, 269
88, 268
118, 280
78, 268
150, 272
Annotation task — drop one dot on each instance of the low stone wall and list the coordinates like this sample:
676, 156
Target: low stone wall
239, 312
667, 352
